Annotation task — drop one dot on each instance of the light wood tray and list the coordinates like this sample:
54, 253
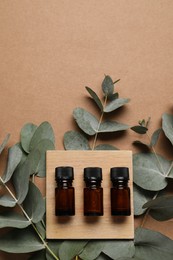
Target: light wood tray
79, 226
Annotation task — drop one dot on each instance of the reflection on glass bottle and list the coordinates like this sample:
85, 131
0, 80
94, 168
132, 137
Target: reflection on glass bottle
93, 192
120, 192
64, 192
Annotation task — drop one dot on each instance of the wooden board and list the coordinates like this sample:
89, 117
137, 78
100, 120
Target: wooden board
80, 226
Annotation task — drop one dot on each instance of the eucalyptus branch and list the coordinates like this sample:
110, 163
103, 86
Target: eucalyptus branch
100, 121
154, 197
29, 219
154, 151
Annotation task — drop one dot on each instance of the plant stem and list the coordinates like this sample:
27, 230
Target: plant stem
155, 196
154, 151
100, 121
29, 219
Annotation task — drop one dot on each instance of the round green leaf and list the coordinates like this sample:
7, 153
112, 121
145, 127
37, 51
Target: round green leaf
161, 208
69, 249
167, 125
115, 104
86, 121
43, 131
20, 180
13, 219
141, 196
147, 172
105, 147
75, 141
14, 158
37, 157
152, 245
107, 85
7, 201
21, 241
34, 204
115, 248
92, 250
26, 135
112, 126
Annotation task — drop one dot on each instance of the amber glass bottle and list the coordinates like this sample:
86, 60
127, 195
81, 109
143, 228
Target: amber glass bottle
120, 192
93, 192
64, 192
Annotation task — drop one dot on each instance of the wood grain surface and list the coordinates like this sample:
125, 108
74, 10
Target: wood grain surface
80, 226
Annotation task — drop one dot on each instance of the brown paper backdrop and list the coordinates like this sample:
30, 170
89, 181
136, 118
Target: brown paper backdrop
50, 50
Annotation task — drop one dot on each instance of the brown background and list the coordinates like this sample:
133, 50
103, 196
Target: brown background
50, 50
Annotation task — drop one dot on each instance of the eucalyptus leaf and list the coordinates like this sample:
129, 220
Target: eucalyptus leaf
13, 219
20, 180
128, 258
14, 158
4, 143
95, 98
86, 121
119, 248
105, 147
37, 157
26, 135
139, 143
167, 126
155, 137
139, 129
20, 241
34, 204
112, 126
161, 208
102, 256
43, 131
54, 245
147, 172
75, 141
92, 250
113, 96
41, 228
7, 201
108, 85
39, 255
141, 196
152, 245
70, 249
115, 104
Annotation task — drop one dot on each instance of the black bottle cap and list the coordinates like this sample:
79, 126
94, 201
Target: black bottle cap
93, 173
64, 173
119, 173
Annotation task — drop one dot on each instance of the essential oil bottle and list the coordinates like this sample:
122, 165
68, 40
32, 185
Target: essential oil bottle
64, 192
93, 192
120, 192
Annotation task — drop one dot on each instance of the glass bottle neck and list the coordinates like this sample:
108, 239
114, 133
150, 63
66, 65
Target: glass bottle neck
120, 183
64, 184
93, 184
